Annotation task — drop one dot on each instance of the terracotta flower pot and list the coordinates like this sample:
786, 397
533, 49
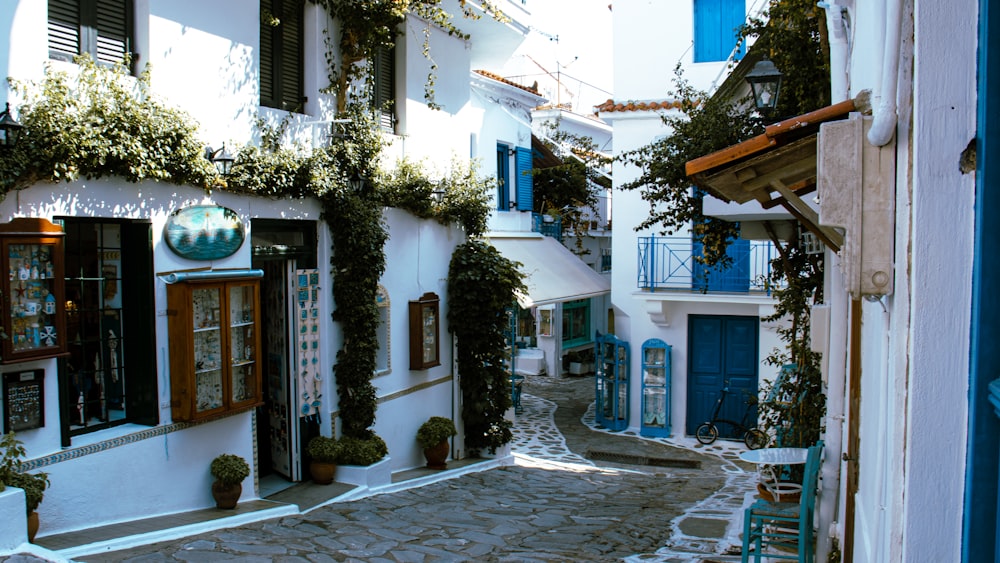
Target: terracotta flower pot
32, 525
226, 496
322, 471
437, 456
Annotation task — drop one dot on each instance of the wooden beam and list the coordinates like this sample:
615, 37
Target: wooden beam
807, 216
801, 188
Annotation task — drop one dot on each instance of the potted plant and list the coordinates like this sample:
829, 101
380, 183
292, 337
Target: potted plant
433, 438
229, 471
34, 484
364, 450
323, 451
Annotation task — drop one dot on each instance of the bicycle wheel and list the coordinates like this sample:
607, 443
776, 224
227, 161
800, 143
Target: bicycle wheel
706, 433
755, 439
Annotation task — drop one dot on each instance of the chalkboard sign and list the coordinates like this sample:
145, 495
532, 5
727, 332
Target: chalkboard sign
23, 400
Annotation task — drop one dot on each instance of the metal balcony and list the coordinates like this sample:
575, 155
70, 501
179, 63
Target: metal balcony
668, 263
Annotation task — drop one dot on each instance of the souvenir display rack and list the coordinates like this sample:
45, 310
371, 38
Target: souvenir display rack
425, 349
655, 388
214, 343
33, 321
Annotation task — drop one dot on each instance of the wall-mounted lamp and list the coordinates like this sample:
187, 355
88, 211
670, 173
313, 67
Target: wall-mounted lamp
10, 129
438, 195
765, 84
357, 182
221, 158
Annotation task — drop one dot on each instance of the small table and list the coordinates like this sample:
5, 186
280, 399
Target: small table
778, 456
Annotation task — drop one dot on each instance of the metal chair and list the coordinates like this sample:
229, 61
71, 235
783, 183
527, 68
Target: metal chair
784, 526
516, 384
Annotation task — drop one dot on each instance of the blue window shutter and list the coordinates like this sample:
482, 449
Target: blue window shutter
715, 24
525, 196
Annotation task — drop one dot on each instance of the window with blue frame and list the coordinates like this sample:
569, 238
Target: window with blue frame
715, 28
576, 322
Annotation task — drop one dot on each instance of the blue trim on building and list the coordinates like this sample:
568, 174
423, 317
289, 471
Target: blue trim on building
979, 541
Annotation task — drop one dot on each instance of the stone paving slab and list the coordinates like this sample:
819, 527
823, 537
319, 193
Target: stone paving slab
552, 505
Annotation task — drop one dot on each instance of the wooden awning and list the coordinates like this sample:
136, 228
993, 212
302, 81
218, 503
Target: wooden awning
776, 168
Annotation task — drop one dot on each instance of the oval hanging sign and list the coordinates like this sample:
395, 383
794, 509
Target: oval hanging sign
204, 232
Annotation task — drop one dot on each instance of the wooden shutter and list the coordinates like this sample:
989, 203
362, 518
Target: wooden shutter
525, 181
102, 28
112, 21
384, 87
290, 69
267, 32
64, 29
715, 24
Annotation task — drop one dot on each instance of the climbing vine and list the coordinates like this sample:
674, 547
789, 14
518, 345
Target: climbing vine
482, 285
795, 416
366, 27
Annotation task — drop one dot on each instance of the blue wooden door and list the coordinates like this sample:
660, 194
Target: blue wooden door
720, 348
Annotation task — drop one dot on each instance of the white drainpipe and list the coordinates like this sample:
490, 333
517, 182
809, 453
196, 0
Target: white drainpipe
884, 124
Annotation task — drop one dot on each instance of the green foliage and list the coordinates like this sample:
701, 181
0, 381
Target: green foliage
566, 189
703, 126
34, 484
366, 27
229, 469
102, 122
364, 449
323, 448
465, 198
437, 429
797, 422
482, 285
793, 35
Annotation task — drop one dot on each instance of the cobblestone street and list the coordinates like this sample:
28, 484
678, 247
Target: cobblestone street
554, 504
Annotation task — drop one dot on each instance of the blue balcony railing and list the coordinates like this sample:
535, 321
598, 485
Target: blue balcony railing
547, 225
669, 263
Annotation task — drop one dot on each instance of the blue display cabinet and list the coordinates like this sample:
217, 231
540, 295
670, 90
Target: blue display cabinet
655, 388
612, 382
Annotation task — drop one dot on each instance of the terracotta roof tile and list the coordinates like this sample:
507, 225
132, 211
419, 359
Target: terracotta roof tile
499, 78
648, 105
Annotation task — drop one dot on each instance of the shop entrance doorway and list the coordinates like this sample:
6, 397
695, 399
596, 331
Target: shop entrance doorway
283, 250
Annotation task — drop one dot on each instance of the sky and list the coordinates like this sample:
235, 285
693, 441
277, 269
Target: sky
571, 40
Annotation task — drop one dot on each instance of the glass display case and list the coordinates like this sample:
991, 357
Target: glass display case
214, 344
424, 332
655, 388
33, 316
612, 393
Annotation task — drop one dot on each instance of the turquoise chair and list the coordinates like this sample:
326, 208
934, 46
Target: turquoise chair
785, 527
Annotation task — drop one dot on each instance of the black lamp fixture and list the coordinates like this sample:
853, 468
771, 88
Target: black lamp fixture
221, 158
437, 194
357, 182
10, 129
765, 84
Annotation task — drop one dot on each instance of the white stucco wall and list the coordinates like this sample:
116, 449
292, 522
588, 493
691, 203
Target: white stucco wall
914, 349
205, 61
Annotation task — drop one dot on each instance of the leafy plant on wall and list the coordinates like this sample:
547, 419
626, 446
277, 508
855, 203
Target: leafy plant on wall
366, 27
101, 122
795, 418
481, 288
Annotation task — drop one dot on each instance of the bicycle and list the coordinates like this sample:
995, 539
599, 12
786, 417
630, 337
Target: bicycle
753, 437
